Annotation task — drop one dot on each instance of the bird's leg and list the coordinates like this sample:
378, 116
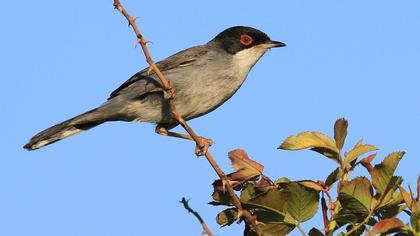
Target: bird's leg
201, 147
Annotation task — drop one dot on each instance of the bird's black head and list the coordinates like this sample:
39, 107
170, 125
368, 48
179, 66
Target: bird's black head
237, 38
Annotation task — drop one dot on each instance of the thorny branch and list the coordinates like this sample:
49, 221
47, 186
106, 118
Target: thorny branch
201, 142
206, 230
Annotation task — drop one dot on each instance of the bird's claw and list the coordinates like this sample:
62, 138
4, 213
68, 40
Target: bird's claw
202, 146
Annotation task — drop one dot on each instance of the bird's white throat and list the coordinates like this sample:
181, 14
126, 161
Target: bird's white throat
245, 59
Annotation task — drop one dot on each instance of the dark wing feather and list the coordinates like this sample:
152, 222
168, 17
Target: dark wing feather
182, 58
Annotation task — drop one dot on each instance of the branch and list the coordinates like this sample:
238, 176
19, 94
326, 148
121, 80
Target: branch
168, 94
206, 230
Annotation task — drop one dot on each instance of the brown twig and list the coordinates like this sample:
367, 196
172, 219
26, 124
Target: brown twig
206, 230
169, 93
324, 214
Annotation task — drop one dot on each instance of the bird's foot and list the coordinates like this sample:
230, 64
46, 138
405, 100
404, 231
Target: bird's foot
202, 146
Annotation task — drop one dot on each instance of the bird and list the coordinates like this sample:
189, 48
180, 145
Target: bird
204, 77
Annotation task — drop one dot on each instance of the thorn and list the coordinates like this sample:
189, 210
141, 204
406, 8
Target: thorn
149, 70
240, 214
135, 18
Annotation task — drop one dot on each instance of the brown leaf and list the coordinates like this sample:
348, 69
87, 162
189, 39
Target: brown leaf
405, 196
245, 169
387, 225
240, 160
340, 132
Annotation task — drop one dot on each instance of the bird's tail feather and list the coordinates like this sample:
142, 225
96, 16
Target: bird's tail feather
66, 129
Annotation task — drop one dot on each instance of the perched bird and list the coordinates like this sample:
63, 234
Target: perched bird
204, 77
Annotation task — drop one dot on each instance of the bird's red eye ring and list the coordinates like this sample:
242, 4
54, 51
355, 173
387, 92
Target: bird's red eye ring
246, 39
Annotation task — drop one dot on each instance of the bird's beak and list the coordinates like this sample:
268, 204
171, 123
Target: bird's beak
274, 44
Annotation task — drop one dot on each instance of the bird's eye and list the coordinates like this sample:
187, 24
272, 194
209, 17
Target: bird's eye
246, 39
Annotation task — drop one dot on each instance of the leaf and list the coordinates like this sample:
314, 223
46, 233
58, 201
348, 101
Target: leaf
249, 191
220, 198
302, 202
269, 227
315, 232
311, 184
357, 151
272, 223
405, 196
274, 200
387, 226
356, 196
390, 196
245, 170
340, 132
333, 177
316, 141
383, 172
345, 217
227, 217
415, 220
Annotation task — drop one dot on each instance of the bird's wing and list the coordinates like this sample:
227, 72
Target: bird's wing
181, 59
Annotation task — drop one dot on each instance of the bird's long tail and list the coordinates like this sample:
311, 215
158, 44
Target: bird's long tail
66, 129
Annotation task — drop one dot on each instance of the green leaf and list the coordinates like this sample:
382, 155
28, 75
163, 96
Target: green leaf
415, 220
220, 198
316, 141
280, 181
383, 172
272, 229
391, 196
227, 217
248, 192
345, 217
357, 151
333, 177
315, 232
356, 196
302, 202
274, 200
387, 226
340, 132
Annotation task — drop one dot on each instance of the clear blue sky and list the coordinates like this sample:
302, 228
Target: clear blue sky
353, 59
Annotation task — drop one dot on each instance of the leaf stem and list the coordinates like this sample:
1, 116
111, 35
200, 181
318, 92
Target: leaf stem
301, 229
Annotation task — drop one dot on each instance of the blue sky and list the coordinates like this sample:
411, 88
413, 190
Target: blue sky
353, 59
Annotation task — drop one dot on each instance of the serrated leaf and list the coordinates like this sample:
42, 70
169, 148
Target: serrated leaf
415, 220
387, 226
340, 132
315, 232
302, 202
383, 172
356, 196
357, 151
315, 141
227, 217
333, 177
